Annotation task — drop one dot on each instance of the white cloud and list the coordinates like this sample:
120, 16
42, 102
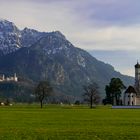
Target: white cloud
109, 38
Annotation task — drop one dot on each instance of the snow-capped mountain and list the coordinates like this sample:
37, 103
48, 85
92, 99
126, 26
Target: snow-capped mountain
30, 36
11, 38
50, 56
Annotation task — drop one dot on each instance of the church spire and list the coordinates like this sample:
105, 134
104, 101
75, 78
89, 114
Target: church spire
137, 61
137, 65
137, 76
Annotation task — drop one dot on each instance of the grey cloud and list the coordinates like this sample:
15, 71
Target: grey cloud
116, 12
99, 12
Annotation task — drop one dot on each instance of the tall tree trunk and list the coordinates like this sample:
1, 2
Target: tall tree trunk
91, 102
41, 103
116, 98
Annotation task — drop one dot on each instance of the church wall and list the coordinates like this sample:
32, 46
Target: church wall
130, 99
138, 101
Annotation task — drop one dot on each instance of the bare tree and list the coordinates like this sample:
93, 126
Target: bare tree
91, 94
43, 90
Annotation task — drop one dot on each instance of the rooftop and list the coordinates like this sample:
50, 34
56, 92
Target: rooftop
130, 89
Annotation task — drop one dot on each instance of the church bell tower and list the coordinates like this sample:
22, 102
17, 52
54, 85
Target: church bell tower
137, 77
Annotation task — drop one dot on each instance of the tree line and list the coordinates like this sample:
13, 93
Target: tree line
91, 94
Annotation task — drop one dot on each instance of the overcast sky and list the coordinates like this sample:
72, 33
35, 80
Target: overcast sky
102, 26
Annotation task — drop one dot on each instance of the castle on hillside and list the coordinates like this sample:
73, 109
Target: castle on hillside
132, 93
8, 79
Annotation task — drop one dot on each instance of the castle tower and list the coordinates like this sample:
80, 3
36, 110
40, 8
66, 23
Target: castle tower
15, 77
137, 77
3, 77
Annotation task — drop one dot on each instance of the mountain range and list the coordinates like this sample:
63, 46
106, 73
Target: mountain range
38, 56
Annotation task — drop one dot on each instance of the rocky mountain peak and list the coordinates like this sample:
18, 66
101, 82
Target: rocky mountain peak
58, 34
11, 39
53, 43
7, 26
29, 31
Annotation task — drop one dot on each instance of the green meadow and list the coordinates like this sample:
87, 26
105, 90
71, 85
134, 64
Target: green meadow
29, 122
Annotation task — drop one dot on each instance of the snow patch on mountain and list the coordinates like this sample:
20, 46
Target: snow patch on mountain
81, 61
12, 39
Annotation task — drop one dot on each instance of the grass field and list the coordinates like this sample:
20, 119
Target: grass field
68, 123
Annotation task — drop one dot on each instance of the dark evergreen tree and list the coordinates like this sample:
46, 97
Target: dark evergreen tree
114, 91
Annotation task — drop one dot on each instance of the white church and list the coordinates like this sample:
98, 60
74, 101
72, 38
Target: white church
132, 93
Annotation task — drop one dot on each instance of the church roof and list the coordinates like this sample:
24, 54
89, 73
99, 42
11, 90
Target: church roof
130, 89
137, 65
